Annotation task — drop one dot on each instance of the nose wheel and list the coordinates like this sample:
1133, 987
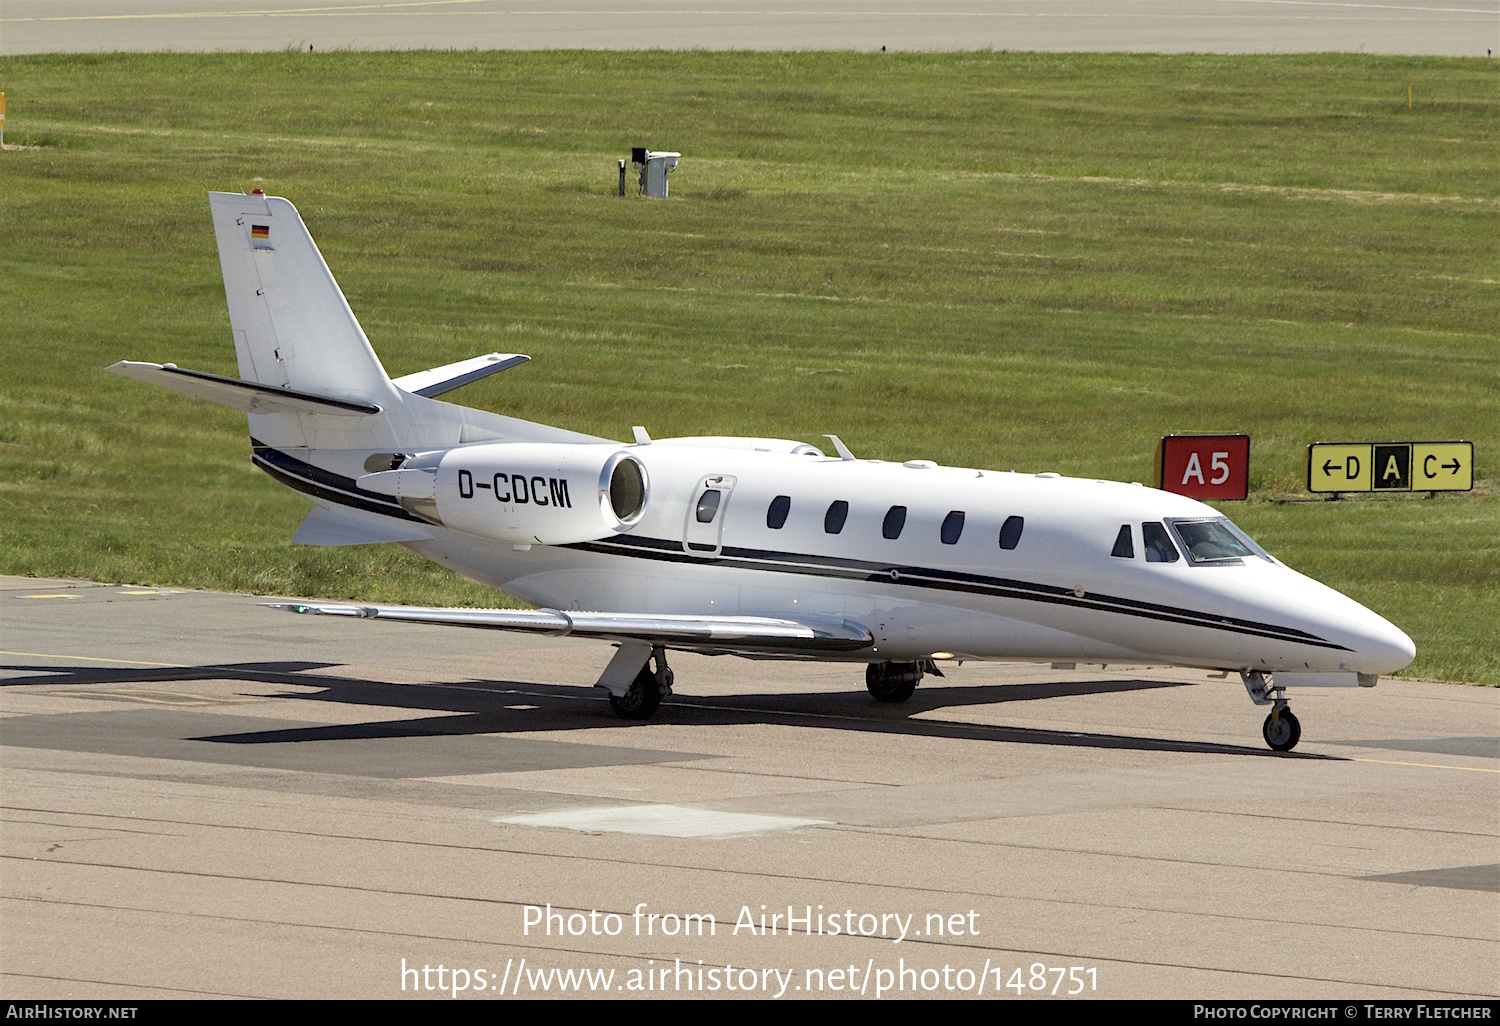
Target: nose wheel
1281, 729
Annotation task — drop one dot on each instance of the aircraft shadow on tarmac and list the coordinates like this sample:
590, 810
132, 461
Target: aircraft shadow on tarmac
491, 707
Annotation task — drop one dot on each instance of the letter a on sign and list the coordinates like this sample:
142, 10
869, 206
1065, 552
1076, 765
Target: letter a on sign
1204, 466
1392, 467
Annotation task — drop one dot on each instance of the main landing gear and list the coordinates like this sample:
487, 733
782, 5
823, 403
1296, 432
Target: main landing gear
650, 686
896, 682
1281, 730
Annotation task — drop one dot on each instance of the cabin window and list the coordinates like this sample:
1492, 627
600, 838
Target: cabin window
895, 520
1159, 547
1124, 547
708, 506
953, 526
833, 520
1010, 532
777, 511
1210, 541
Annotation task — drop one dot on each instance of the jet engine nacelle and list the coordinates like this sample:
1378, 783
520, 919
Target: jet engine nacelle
550, 493
523, 492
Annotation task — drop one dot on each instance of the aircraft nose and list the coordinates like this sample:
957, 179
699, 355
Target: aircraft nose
1369, 642
1382, 647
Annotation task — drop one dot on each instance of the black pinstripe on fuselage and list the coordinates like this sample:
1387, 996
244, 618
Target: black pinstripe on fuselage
315, 481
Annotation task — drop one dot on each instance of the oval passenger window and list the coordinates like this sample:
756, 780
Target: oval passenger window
895, 520
1010, 532
777, 511
833, 520
953, 526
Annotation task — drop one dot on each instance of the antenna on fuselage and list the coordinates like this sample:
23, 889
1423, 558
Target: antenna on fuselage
641, 438
843, 449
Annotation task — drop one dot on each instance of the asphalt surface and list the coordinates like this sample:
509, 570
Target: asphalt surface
1444, 27
201, 796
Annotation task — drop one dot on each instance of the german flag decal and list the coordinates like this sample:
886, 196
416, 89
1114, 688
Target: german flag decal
260, 231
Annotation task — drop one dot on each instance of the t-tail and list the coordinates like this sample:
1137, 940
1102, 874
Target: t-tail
309, 379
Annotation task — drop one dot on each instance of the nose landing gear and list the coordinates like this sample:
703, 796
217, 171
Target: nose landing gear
1281, 730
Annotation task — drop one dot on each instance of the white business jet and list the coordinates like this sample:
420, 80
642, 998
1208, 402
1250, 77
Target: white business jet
759, 547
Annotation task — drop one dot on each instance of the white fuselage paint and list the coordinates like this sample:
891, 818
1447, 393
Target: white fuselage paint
1058, 595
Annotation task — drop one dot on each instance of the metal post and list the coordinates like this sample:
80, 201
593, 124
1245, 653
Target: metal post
622, 178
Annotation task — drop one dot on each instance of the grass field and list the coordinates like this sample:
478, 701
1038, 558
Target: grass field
1038, 262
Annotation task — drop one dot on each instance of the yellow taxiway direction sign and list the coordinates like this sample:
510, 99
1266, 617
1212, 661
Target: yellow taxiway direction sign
1390, 467
1338, 467
1442, 466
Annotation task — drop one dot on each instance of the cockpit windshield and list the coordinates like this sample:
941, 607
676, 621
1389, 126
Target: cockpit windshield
1214, 541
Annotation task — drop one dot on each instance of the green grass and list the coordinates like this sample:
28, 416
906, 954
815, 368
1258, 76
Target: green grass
1038, 262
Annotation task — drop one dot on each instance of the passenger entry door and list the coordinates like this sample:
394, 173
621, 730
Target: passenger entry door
703, 534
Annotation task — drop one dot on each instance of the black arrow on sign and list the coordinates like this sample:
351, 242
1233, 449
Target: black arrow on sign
1453, 467
1328, 466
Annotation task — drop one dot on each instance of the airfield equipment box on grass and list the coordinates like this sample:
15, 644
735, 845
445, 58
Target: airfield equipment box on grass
655, 166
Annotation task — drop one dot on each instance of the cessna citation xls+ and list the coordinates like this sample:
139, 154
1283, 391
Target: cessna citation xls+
757, 547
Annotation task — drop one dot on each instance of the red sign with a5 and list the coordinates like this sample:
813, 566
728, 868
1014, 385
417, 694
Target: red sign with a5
1204, 466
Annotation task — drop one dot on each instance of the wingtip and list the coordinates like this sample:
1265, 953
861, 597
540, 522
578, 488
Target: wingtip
311, 609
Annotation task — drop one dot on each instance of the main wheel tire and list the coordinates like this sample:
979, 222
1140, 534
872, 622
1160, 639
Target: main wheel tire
643, 698
888, 683
1282, 731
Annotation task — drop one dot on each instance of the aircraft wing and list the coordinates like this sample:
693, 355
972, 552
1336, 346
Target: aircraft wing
750, 634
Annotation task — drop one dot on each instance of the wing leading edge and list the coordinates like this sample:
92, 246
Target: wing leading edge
748, 634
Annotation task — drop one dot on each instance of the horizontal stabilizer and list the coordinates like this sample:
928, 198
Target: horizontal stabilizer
247, 396
714, 633
338, 526
435, 382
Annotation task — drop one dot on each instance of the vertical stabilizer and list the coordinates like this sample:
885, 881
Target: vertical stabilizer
294, 330
292, 326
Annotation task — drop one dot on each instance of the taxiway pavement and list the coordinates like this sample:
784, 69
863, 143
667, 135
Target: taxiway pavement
1449, 27
202, 796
